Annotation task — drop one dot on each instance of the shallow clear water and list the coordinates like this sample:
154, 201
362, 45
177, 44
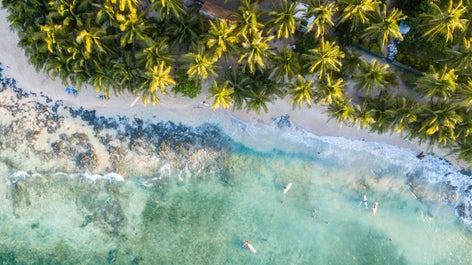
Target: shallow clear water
69, 219
194, 195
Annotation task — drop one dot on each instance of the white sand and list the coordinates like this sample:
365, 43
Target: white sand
315, 120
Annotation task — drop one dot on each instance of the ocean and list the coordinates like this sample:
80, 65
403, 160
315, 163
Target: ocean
80, 188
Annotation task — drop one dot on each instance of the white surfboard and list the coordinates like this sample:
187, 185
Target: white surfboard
251, 248
286, 188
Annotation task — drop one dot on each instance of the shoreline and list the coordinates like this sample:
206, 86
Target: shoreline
313, 120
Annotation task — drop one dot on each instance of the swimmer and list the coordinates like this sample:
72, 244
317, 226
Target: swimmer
365, 201
374, 208
245, 244
313, 214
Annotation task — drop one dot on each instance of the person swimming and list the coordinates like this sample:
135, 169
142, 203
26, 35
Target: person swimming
374, 208
249, 246
245, 244
365, 201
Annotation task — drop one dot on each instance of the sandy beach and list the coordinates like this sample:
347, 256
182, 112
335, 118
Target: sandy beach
314, 120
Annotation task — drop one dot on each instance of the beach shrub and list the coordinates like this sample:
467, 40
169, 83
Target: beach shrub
185, 86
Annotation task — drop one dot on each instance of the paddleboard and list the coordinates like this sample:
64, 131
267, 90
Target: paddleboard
251, 248
374, 208
286, 188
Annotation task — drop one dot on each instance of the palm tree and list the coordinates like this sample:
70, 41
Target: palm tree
133, 29
445, 23
463, 131
439, 123
222, 94
364, 115
301, 92
91, 40
261, 90
462, 57
285, 64
257, 52
128, 5
107, 14
325, 58
406, 112
156, 51
463, 96
372, 76
240, 83
185, 32
257, 100
329, 90
103, 80
201, 64
248, 16
464, 150
49, 34
357, 12
342, 111
128, 75
159, 78
168, 8
283, 19
385, 26
221, 36
441, 84
323, 13
384, 113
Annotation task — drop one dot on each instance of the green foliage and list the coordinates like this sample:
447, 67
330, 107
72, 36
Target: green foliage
185, 86
305, 43
414, 8
419, 52
114, 45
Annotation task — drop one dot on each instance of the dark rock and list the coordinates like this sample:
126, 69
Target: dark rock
283, 121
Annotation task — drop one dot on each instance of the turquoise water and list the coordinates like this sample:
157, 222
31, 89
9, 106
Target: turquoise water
193, 195
70, 219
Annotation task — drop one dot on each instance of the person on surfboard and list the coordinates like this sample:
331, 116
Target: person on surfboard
374, 208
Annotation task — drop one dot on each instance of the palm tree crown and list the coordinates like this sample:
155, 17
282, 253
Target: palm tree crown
249, 18
202, 65
301, 92
438, 84
285, 64
222, 94
323, 14
257, 52
357, 11
372, 76
284, 19
222, 37
445, 23
385, 26
159, 78
325, 58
